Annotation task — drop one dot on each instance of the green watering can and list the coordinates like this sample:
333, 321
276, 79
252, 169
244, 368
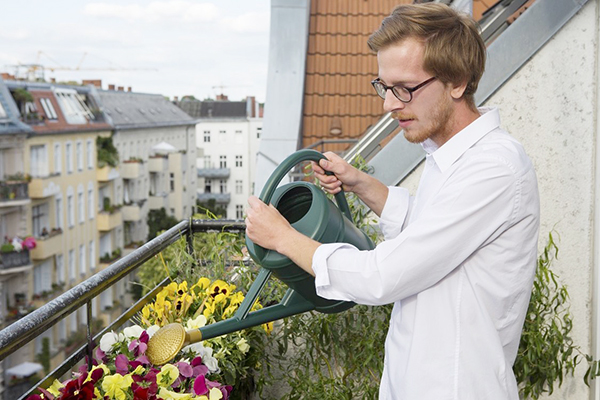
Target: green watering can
310, 212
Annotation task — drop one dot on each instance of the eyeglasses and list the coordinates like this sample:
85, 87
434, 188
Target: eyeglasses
402, 93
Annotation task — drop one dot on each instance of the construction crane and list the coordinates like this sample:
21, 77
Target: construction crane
36, 71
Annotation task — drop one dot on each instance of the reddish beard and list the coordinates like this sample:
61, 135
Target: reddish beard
437, 125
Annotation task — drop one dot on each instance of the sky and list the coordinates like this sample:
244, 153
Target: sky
172, 47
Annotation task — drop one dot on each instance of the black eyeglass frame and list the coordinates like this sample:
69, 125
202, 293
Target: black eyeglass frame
394, 89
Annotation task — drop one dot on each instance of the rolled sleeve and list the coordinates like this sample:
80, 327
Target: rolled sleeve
322, 278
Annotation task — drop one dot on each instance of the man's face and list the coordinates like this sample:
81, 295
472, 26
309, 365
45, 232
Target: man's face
429, 114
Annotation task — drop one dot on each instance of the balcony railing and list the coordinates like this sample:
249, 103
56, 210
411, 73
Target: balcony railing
35, 323
47, 245
108, 221
219, 198
106, 173
213, 173
14, 259
13, 192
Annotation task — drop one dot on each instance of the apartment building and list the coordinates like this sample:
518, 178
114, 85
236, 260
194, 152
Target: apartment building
156, 145
227, 136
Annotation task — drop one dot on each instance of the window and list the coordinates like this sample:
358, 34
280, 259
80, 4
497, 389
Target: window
70, 207
207, 162
95, 307
73, 322
238, 161
48, 109
79, 153
172, 181
90, 154
80, 204
258, 132
60, 269
238, 186
222, 161
206, 136
106, 298
42, 278
82, 312
223, 185
92, 250
39, 161
57, 159
73, 106
72, 271
91, 212
62, 330
207, 185
82, 255
69, 157
59, 212
239, 211
2, 112
39, 219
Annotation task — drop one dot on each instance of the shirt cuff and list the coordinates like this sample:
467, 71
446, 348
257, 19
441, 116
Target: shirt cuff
319, 266
395, 212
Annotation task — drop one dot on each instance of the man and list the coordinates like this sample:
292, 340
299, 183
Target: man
458, 260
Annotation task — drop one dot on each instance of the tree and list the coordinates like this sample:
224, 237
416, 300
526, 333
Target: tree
159, 221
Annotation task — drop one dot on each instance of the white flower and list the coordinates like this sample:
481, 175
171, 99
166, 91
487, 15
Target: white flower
134, 332
243, 345
108, 340
17, 244
206, 354
152, 329
197, 322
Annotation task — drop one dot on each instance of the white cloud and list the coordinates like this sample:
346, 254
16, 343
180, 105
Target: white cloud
156, 11
15, 34
251, 22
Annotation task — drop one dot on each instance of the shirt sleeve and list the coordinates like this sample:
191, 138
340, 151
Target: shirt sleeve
474, 205
395, 212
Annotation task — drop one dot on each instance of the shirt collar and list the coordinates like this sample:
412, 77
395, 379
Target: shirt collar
450, 151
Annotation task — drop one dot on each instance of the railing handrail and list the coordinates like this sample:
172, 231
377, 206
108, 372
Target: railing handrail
33, 324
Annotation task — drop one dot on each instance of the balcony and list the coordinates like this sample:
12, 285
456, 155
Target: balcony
106, 174
158, 164
213, 173
47, 246
219, 198
158, 201
107, 221
14, 193
135, 211
14, 261
42, 187
132, 169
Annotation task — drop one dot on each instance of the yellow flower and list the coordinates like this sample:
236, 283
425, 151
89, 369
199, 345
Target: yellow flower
146, 311
171, 288
229, 311
95, 367
209, 309
268, 327
167, 375
243, 345
139, 370
114, 386
54, 389
236, 298
182, 288
219, 286
215, 394
197, 322
169, 395
202, 283
97, 394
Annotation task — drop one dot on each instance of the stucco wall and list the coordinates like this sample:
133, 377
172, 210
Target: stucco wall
550, 106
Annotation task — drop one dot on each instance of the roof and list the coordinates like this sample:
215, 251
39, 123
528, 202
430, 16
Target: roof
130, 110
77, 118
9, 114
214, 109
339, 69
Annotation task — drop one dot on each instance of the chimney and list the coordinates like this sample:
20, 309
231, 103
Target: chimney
7, 77
129, 88
52, 80
121, 89
250, 107
94, 82
111, 87
222, 97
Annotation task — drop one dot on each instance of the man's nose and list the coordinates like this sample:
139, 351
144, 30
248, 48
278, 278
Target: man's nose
391, 102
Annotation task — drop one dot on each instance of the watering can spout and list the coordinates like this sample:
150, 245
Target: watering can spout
309, 211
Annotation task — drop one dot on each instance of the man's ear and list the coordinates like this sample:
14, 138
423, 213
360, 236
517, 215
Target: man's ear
458, 90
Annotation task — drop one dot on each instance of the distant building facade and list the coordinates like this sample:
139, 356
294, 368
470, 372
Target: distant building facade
227, 137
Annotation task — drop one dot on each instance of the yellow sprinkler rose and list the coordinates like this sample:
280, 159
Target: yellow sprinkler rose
169, 395
114, 386
54, 389
167, 375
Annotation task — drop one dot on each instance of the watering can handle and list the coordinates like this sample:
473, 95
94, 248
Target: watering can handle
287, 164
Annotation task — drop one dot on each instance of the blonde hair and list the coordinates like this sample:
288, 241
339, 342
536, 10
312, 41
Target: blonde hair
454, 50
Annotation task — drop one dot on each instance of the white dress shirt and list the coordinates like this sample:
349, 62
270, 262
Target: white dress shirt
458, 262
